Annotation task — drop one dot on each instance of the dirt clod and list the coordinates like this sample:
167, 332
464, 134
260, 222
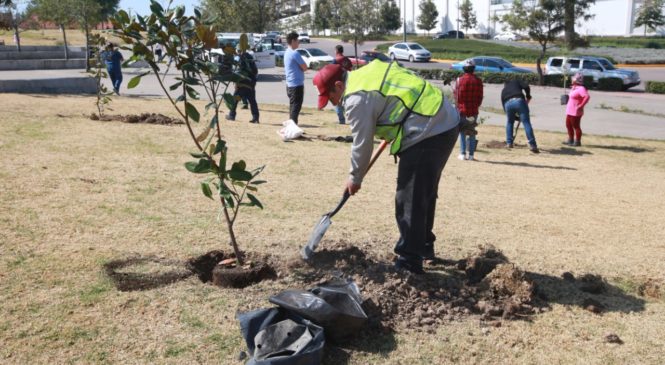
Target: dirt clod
569, 277
613, 338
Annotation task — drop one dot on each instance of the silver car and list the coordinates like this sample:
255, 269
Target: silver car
597, 67
409, 51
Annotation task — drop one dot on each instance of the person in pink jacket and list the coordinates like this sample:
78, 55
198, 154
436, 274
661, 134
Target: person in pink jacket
577, 99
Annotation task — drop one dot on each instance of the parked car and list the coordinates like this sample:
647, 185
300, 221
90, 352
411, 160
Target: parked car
303, 37
451, 34
491, 64
366, 57
312, 55
277, 36
409, 51
278, 48
597, 67
507, 36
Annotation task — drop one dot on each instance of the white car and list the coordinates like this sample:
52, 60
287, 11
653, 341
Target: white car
277, 48
409, 51
303, 37
507, 36
314, 55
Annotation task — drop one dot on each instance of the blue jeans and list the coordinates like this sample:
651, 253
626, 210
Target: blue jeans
467, 141
518, 106
340, 114
116, 77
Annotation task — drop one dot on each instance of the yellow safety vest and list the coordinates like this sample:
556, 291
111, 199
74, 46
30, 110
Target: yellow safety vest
390, 79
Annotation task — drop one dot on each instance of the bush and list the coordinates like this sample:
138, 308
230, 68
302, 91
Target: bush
653, 45
610, 84
656, 87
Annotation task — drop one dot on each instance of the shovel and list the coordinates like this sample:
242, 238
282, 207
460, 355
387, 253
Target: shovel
323, 224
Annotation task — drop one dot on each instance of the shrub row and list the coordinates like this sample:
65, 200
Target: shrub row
557, 80
656, 87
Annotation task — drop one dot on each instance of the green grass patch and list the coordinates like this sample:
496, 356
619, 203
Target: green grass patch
94, 293
191, 320
176, 350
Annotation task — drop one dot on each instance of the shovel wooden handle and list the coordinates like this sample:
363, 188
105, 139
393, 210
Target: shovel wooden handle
346, 195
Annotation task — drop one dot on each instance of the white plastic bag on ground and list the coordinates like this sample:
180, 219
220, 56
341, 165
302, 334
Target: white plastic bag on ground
290, 131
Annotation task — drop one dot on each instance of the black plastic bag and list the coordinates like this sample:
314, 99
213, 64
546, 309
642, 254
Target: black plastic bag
277, 337
336, 306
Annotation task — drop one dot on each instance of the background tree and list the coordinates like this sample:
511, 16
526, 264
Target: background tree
337, 14
241, 16
60, 12
542, 20
322, 15
390, 17
467, 15
11, 18
651, 15
428, 15
573, 11
87, 14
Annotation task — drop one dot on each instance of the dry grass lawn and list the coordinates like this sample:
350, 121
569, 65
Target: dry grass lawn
76, 193
46, 37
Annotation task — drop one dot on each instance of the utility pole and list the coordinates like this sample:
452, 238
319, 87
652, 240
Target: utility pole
457, 33
404, 21
489, 5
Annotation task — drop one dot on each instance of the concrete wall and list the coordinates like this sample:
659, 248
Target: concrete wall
71, 85
6, 65
44, 55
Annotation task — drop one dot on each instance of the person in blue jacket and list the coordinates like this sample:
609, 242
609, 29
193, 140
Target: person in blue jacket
113, 59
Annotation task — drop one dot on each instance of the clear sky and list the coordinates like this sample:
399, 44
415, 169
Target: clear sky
142, 7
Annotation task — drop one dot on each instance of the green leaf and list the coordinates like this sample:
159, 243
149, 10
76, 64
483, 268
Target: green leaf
180, 98
156, 8
254, 200
191, 110
134, 82
175, 86
197, 155
214, 121
192, 93
221, 144
229, 202
258, 182
205, 187
240, 175
252, 188
228, 100
122, 16
210, 105
239, 166
200, 167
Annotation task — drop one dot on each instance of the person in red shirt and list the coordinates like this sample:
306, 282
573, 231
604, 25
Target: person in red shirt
469, 95
346, 64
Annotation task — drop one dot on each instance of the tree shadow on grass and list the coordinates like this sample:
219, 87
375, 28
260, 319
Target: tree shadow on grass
525, 164
590, 292
165, 272
569, 151
621, 148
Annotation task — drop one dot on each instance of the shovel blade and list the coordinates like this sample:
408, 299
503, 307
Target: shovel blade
317, 234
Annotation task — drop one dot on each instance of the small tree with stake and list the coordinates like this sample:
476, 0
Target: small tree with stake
189, 39
97, 70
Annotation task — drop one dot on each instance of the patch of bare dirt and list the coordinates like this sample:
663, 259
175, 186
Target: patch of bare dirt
147, 118
223, 270
484, 283
652, 288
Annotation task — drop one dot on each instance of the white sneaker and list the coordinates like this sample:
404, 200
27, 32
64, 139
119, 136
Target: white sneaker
461, 157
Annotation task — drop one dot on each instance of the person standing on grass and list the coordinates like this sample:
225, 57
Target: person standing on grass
515, 98
469, 95
577, 99
294, 68
390, 102
113, 59
346, 64
246, 89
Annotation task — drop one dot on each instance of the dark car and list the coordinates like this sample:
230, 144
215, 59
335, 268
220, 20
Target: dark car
451, 34
368, 56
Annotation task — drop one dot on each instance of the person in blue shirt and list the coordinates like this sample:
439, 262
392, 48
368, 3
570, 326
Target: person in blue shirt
113, 59
294, 67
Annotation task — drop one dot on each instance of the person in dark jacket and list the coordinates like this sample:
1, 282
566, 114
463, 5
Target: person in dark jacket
246, 89
515, 98
113, 60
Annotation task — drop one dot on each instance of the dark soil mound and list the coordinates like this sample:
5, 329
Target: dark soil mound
148, 118
143, 273
483, 284
222, 270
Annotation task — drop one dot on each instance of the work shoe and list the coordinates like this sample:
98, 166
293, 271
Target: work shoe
254, 121
533, 149
229, 117
470, 158
461, 157
509, 145
403, 264
577, 144
245, 106
568, 142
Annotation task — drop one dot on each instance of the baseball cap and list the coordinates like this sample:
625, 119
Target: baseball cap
469, 62
325, 80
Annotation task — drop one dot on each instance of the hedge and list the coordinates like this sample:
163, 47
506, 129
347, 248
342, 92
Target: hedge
610, 84
656, 87
557, 80
487, 77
